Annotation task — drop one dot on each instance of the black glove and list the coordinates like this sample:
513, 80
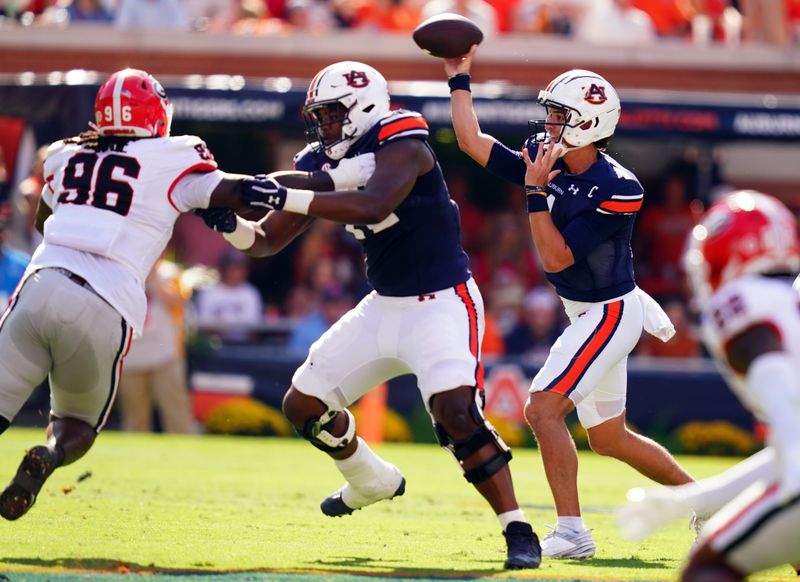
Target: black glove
218, 219
262, 192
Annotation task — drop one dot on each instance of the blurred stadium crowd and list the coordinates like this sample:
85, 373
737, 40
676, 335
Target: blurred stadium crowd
289, 300
629, 21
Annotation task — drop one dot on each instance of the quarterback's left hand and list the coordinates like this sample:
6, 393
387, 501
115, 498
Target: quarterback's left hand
263, 193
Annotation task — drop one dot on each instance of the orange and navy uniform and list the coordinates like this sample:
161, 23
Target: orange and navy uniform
417, 249
594, 211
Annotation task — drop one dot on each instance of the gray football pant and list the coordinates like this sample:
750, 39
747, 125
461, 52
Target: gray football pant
55, 327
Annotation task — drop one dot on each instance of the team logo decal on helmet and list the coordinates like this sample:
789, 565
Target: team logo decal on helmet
588, 110
595, 94
357, 79
343, 101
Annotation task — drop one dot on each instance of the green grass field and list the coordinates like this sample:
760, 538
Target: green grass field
234, 508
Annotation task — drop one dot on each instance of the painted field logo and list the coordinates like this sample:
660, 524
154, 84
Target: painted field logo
357, 79
595, 94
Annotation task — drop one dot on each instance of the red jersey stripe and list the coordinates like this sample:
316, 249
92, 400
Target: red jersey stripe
196, 168
472, 313
403, 124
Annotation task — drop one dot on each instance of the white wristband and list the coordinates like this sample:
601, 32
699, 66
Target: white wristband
298, 201
244, 236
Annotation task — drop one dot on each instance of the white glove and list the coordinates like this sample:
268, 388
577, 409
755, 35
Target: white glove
650, 509
352, 173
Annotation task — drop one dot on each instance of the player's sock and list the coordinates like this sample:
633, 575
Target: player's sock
509, 516
570, 523
366, 471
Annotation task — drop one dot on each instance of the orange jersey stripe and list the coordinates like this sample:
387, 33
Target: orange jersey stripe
613, 206
587, 355
404, 124
771, 490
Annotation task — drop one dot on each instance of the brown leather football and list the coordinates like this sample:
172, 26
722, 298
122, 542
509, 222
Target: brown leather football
447, 35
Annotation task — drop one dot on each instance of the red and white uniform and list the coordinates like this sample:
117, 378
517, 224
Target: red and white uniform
72, 316
760, 528
113, 237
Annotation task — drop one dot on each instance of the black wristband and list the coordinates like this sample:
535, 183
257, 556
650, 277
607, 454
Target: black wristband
460, 81
537, 203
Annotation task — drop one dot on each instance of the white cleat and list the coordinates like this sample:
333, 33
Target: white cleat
569, 544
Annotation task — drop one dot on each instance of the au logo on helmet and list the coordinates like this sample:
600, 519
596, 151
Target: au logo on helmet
595, 94
357, 79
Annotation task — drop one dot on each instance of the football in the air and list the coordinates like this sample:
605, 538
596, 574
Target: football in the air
447, 35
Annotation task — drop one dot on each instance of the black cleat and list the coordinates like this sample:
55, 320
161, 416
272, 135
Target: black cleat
333, 506
36, 466
523, 547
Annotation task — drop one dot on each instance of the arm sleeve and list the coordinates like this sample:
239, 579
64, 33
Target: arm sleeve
507, 164
588, 230
194, 190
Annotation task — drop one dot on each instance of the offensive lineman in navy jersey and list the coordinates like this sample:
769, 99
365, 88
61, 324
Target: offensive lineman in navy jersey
582, 206
425, 315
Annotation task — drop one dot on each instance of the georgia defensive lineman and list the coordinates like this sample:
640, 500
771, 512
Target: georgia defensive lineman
425, 316
111, 198
740, 262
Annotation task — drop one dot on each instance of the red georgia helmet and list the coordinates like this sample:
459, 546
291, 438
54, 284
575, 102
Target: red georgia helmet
132, 103
744, 233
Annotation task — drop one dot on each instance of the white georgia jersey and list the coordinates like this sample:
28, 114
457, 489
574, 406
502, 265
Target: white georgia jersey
742, 304
113, 211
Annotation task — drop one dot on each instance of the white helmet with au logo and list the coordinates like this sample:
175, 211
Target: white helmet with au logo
347, 96
590, 106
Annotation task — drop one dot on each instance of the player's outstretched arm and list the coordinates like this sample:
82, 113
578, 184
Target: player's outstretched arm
471, 140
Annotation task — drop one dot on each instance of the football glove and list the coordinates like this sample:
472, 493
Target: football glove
263, 193
649, 510
218, 219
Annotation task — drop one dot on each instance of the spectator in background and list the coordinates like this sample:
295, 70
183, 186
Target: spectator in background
660, 238
211, 15
507, 246
478, 11
312, 16
334, 251
253, 18
26, 200
615, 22
232, 307
152, 14
684, 344
767, 21
539, 326
669, 17
544, 16
333, 304
12, 261
155, 371
388, 15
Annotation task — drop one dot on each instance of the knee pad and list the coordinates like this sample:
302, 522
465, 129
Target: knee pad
317, 431
4, 424
483, 435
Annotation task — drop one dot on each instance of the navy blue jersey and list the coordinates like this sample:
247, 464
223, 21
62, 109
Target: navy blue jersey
417, 248
595, 212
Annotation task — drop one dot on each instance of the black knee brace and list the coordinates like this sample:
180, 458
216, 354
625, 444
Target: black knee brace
4, 424
480, 437
317, 431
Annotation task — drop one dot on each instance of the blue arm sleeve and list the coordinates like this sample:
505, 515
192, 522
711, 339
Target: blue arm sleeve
588, 230
506, 163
